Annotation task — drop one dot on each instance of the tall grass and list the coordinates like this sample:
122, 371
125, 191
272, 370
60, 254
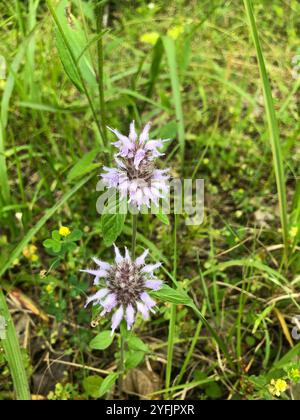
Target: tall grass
278, 163
214, 272
170, 49
99, 23
5, 102
13, 354
173, 311
10, 343
75, 64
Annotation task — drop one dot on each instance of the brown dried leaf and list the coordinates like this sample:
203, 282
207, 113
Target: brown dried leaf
142, 382
26, 303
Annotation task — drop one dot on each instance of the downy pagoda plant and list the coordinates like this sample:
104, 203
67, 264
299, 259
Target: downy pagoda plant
124, 285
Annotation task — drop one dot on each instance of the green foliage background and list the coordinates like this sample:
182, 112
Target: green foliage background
191, 68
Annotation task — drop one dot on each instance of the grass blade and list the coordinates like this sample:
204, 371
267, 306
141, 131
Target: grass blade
13, 354
9, 86
172, 322
273, 127
157, 55
77, 73
169, 45
100, 60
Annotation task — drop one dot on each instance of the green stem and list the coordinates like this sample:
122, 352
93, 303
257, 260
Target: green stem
134, 234
123, 339
172, 322
122, 365
171, 337
191, 349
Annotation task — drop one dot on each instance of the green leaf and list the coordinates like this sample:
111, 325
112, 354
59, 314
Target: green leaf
278, 158
56, 236
69, 246
66, 60
261, 317
287, 358
5, 106
170, 50
157, 55
83, 166
163, 218
169, 130
213, 390
74, 236
167, 294
102, 341
13, 353
108, 383
135, 343
134, 358
92, 385
112, 226
72, 36
56, 246
52, 244
48, 243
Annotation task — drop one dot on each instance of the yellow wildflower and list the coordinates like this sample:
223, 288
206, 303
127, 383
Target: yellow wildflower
238, 214
294, 374
277, 387
175, 31
34, 258
50, 288
294, 231
16, 262
64, 231
29, 251
150, 38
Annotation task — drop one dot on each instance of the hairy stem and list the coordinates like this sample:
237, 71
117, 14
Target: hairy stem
134, 233
122, 365
172, 323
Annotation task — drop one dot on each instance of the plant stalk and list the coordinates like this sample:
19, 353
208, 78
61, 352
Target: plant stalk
172, 322
134, 233
122, 365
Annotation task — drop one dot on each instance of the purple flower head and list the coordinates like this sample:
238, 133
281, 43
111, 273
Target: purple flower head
135, 175
125, 288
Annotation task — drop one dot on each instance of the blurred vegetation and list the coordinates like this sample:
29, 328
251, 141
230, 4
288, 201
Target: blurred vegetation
211, 105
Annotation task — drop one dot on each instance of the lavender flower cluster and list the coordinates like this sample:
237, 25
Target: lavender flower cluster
135, 175
124, 286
